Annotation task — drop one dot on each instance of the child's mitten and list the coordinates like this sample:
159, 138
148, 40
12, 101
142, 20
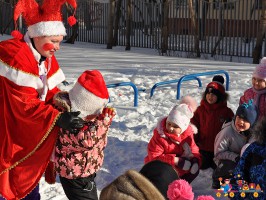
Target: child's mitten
194, 166
107, 115
182, 163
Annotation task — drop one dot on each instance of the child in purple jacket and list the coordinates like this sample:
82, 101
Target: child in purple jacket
257, 92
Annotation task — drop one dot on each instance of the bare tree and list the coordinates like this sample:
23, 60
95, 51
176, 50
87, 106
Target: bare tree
194, 27
117, 18
256, 54
110, 36
128, 24
165, 29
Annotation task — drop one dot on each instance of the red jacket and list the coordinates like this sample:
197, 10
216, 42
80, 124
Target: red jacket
162, 148
209, 118
26, 123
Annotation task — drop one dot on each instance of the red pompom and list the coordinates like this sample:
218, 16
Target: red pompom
71, 20
180, 190
17, 34
205, 197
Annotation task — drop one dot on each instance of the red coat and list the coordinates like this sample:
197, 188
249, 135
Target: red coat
162, 148
209, 118
26, 123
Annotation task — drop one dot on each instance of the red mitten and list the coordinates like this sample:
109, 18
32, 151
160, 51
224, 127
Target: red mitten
107, 115
50, 174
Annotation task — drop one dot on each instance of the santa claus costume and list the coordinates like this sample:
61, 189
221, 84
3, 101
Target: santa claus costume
28, 82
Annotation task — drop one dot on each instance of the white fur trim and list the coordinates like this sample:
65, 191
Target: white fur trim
159, 127
22, 78
84, 101
48, 28
55, 79
19, 77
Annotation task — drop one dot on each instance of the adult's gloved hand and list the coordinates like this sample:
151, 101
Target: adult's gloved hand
70, 121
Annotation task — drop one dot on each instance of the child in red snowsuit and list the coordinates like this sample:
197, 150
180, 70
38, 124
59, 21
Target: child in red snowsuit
173, 141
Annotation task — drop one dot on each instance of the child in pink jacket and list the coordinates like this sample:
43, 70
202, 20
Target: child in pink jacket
173, 141
79, 156
257, 92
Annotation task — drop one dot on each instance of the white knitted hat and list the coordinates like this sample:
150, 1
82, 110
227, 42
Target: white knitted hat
180, 115
89, 94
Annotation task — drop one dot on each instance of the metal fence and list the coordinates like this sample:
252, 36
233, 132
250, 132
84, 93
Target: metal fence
224, 27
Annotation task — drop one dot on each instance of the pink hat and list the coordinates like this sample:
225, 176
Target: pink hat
205, 197
89, 94
44, 20
260, 70
180, 190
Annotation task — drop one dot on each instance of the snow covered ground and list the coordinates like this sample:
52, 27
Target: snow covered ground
132, 127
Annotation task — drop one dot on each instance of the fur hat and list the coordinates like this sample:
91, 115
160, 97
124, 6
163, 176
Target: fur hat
45, 19
260, 70
248, 111
89, 94
181, 114
216, 87
131, 186
161, 174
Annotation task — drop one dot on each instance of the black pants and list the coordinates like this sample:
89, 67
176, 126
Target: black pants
80, 188
207, 160
224, 170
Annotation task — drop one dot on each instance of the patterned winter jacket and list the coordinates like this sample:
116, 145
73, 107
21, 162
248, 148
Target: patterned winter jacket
82, 154
252, 169
162, 148
260, 103
228, 143
209, 118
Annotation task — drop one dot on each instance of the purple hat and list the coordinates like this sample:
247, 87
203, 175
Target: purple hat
260, 70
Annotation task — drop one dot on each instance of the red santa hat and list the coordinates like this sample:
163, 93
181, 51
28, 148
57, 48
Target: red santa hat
45, 19
89, 94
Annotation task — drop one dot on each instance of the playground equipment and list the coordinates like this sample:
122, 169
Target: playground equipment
127, 84
189, 77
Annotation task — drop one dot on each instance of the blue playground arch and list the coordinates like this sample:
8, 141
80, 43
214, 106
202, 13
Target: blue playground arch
127, 84
189, 77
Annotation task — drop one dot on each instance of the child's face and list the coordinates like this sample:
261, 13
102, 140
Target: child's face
241, 124
211, 98
258, 84
173, 128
